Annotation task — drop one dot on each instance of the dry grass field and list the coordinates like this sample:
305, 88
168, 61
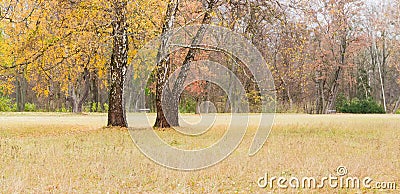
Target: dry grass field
64, 153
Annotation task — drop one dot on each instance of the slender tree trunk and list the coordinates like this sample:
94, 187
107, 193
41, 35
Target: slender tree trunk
173, 114
289, 98
207, 95
73, 99
397, 106
95, 92
86, 78
319, 84
334, 90
380, 67
20, 91
335, 85
382, 87
231, 86
198, 103
163, 65
170, 117
119, 58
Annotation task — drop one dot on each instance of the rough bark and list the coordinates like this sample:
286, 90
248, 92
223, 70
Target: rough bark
338, 73
163, 64
333, 91
170, 117
119, 58
173, 114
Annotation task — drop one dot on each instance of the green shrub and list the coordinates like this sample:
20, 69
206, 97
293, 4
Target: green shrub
30, 107
96, 107
187, 105
62, 109
105, 107
87, 108
5, 104
367, 106
99, 109
14, 107
340, 101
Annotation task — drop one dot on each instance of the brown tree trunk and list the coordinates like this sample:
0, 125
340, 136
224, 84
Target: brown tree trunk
77, 100
86, 78
73, 99
95, 92
20, 91
397, 106
333, 92
173, 115
163, 65
231, 86
119, 58
335, 84
320, 97
170, 117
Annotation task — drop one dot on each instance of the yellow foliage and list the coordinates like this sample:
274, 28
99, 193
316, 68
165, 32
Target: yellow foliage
52, 41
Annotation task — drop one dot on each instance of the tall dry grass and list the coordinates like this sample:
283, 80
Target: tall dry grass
67, 153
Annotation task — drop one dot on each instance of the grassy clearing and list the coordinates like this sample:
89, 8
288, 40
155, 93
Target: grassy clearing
69, 153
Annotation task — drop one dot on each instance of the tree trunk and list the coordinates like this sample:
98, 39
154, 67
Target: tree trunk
382, 87
335, 84
72, 98
231, 86
163, 65
95, 92
74, 95
20, 92
397, 106
198, 103
170, 117
319, 84
207, 95
180, 80
119, 58
380, 69
86, 79
334, 90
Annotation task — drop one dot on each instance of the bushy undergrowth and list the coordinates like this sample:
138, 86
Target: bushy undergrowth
364, 106
30, 107
6, 105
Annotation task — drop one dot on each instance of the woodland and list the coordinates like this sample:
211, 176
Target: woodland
73, 55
